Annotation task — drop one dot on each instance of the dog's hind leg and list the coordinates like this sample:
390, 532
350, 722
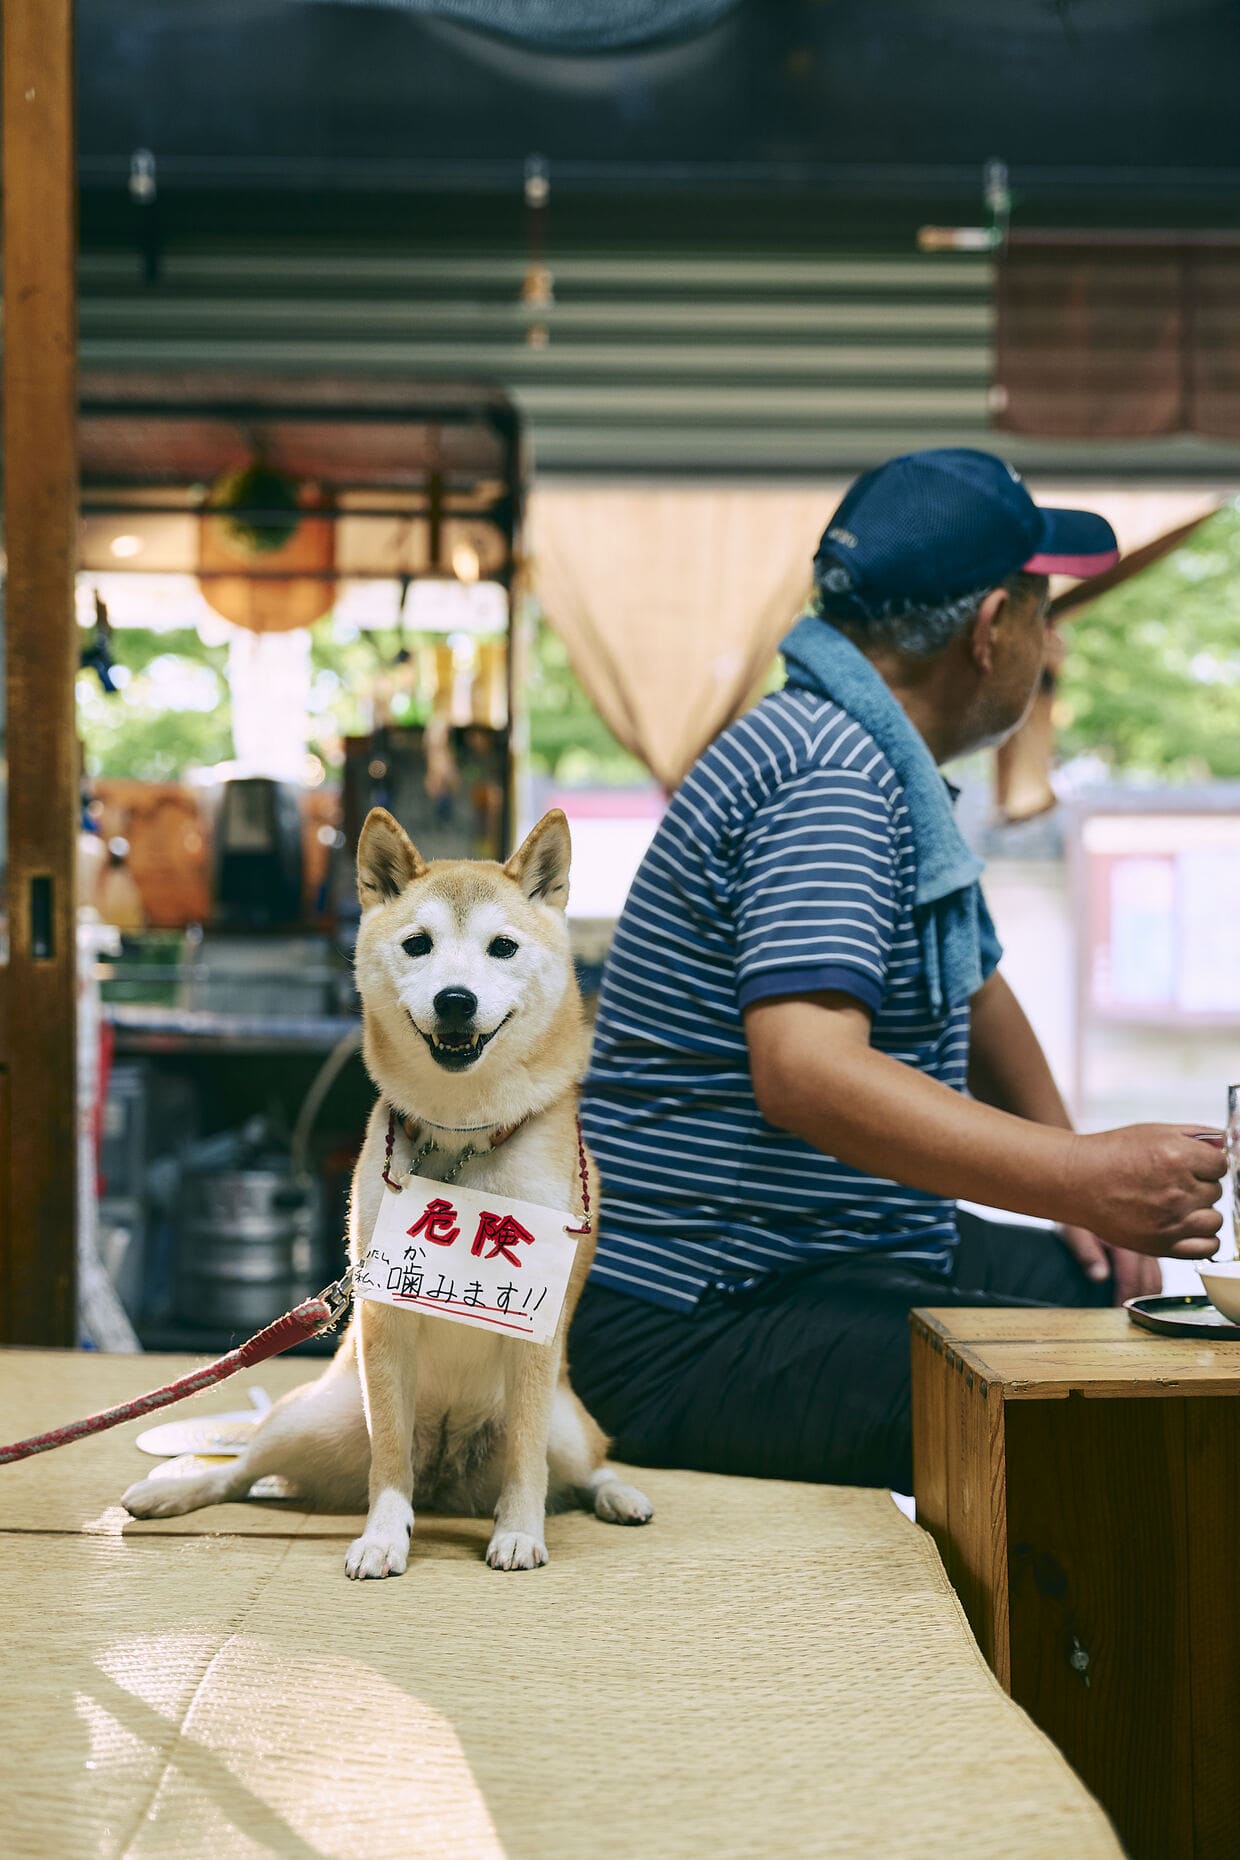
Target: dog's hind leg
576, 1458
163, 1495
315, 1437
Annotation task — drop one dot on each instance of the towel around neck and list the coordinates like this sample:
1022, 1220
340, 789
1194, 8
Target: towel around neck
957, 937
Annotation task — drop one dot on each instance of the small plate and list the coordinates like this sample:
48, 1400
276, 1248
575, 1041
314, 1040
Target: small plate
1189, 1315
221, 1435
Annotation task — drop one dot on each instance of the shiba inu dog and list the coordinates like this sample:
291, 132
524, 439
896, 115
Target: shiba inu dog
473, 1034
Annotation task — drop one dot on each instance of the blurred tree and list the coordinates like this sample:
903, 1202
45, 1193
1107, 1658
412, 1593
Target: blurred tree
568, 739
170, 712
344, 664
1151, 679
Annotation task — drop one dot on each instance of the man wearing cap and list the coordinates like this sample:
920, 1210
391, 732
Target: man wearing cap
806, 1051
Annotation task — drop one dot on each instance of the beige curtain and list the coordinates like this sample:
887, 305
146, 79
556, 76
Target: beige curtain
672, 601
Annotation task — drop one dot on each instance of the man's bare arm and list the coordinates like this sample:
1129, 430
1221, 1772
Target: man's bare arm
1149, 1187
1007, 1067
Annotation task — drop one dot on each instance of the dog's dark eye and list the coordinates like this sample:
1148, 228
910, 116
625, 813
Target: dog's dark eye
501, 946
419, 944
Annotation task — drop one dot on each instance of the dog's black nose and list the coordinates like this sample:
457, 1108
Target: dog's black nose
456, 1006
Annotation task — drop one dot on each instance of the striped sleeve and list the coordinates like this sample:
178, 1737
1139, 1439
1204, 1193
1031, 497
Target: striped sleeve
816, 892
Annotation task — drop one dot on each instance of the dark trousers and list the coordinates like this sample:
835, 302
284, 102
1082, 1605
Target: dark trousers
808, 1375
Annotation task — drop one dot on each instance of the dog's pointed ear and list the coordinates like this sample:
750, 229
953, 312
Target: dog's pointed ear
540, 865
387, 859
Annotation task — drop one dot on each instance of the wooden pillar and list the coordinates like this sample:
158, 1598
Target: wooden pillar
37, 987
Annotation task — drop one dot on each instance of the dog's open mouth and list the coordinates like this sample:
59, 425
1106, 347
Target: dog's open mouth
456, 1049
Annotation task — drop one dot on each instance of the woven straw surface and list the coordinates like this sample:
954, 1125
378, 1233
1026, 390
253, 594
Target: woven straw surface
767, 1670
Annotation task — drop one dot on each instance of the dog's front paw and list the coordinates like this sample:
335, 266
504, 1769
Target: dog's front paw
516, 1550
372, 1555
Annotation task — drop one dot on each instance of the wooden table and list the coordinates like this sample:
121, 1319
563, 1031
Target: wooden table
1081, 1478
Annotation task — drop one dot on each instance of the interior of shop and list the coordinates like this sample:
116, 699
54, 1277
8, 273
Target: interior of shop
218, 913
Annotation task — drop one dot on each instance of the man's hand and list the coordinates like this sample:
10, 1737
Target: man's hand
1132, 1275
1151, 1188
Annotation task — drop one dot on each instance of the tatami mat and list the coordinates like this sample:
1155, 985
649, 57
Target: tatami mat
767, 1670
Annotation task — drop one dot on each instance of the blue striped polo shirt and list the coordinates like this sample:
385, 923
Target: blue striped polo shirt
784, 865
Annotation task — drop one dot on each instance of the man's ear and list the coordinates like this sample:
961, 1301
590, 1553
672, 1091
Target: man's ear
540, 865
387, 859
989, 619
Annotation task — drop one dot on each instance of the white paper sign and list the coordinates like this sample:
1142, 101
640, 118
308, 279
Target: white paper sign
474, 1258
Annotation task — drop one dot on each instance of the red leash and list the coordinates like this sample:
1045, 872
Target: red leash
306, 1320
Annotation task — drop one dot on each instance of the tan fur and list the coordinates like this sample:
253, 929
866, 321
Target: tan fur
468, 1421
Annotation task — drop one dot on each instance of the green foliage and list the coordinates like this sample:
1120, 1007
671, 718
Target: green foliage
1151, 681
568, 739
343, 672
175, 713
268, 513
172, 714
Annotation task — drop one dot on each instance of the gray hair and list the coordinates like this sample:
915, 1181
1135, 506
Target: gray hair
916, 632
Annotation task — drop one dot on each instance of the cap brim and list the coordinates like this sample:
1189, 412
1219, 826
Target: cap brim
1074, 542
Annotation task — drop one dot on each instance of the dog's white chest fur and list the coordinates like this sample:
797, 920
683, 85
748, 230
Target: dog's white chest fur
460, 1368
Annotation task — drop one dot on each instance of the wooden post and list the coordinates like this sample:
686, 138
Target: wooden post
37, 988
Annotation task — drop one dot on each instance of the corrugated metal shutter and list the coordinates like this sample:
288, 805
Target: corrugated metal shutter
702, 365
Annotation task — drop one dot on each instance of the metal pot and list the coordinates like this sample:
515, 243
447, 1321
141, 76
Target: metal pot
246, 1248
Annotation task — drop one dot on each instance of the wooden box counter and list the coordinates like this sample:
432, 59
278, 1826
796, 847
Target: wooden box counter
1081, 1478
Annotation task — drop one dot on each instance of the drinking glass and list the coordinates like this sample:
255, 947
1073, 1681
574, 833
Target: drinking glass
1233, 1162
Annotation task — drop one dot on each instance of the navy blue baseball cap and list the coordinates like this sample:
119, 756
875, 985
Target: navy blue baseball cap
933, 526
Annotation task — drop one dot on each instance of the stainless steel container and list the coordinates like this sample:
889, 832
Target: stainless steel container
246, 1246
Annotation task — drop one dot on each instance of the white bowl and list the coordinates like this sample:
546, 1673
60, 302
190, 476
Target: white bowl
1221, 1281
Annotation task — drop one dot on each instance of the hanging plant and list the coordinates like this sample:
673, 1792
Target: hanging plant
266, 502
